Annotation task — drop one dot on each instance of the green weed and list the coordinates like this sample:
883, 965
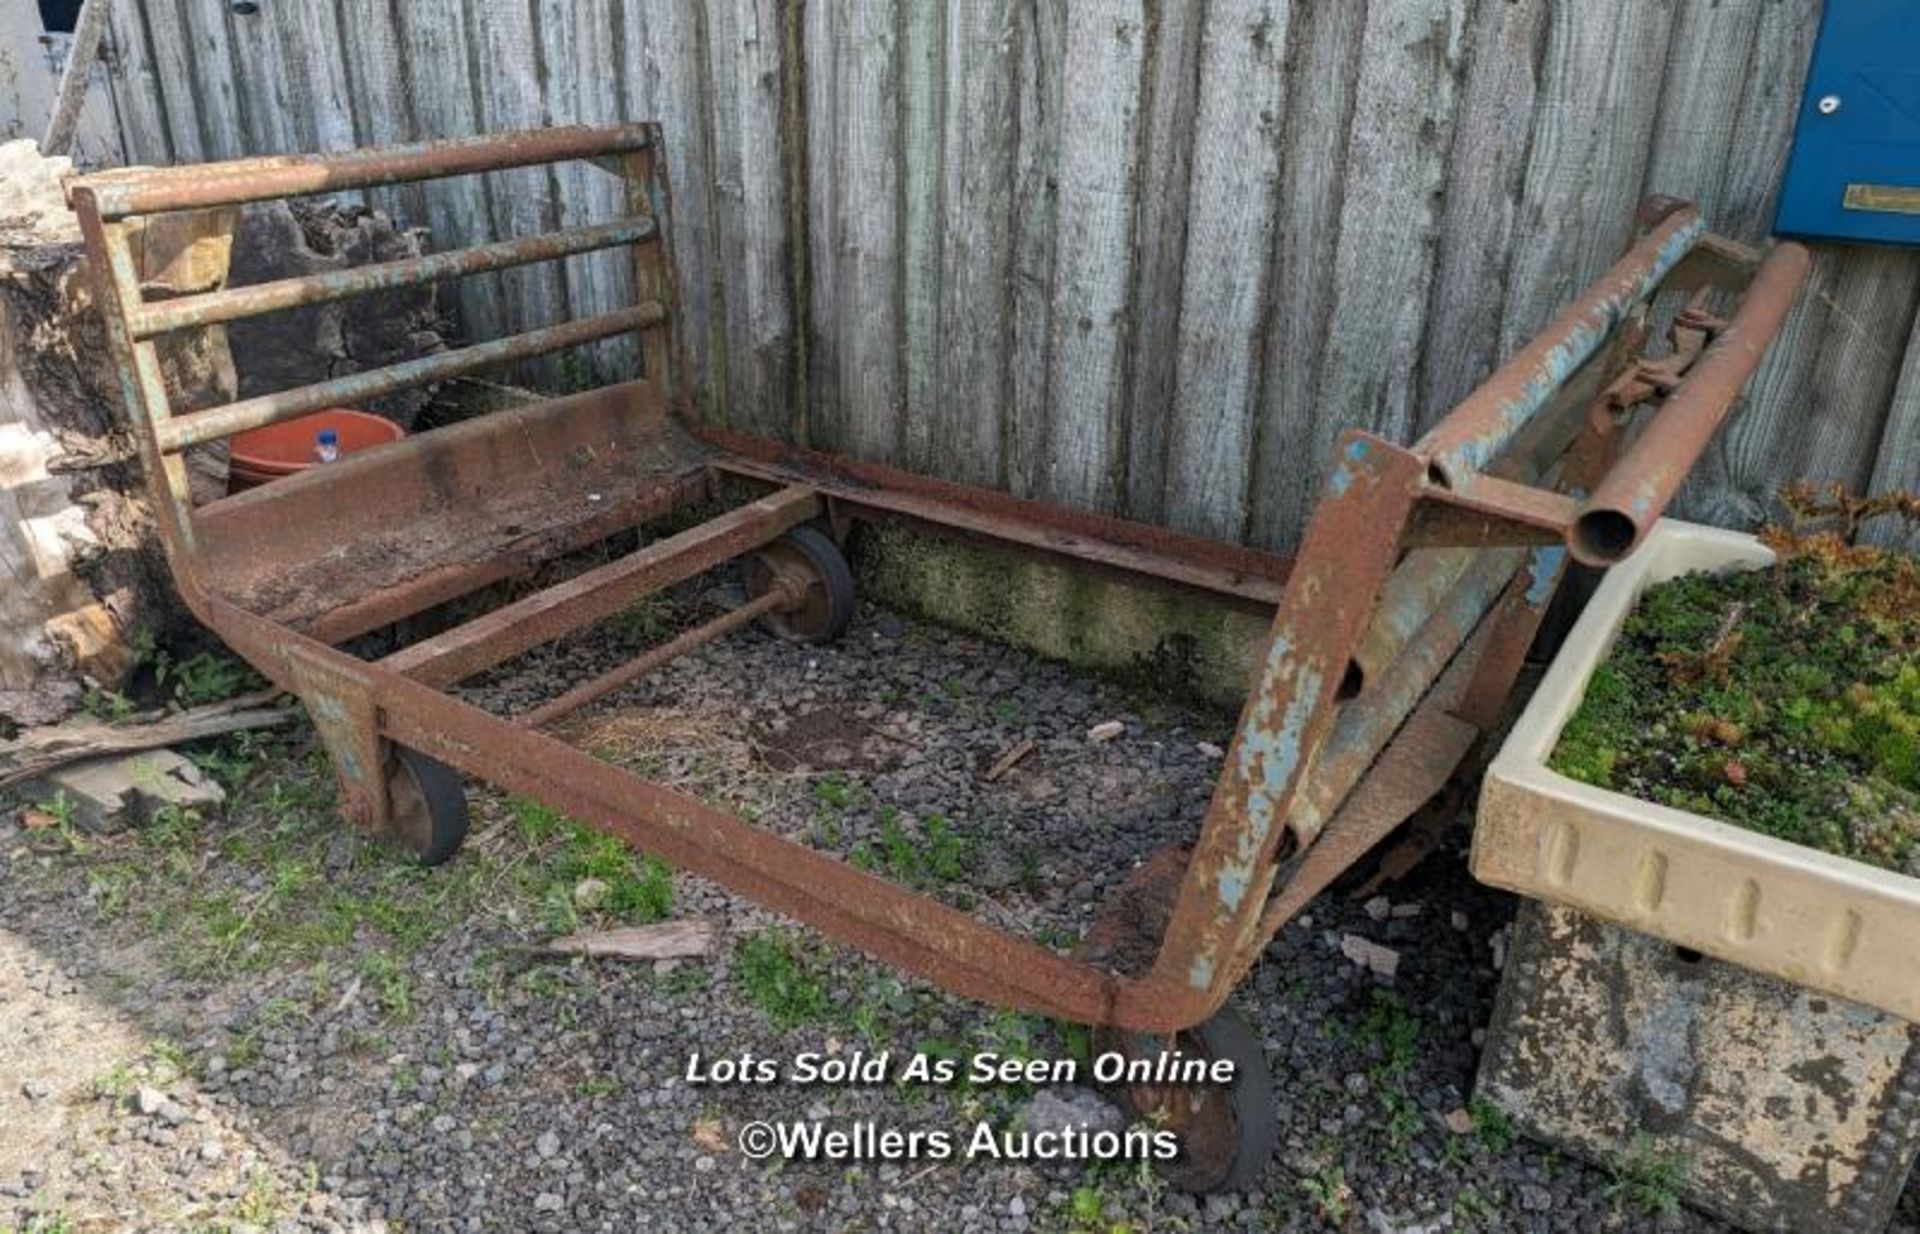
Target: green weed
782, 979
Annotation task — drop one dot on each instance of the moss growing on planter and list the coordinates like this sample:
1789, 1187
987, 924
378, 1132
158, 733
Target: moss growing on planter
1785, 700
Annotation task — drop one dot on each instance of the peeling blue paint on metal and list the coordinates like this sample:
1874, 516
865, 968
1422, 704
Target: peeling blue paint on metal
1570, 353
330, 714
1269, 755
1344, 475
1545, 567
1233, 887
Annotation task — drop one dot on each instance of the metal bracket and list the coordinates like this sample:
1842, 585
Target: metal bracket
340, 699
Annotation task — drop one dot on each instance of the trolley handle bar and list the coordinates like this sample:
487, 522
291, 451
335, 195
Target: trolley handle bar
238, 303
214, 423
122, 194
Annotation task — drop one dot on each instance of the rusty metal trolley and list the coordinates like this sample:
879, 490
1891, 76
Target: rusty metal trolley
1397, 631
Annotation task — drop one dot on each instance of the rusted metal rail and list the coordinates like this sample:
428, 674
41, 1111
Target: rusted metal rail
1396, 630
1624, 507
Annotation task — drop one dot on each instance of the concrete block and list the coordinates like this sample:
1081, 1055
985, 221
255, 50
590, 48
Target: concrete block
120, 790
1773, 1106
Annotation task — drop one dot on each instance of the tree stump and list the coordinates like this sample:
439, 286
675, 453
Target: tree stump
85, 573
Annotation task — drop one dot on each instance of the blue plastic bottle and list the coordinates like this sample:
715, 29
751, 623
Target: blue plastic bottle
326, 447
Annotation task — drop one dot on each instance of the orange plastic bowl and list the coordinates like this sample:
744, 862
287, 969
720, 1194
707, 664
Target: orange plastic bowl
283, 449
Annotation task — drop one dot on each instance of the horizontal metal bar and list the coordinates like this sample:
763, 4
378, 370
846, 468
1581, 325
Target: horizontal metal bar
638, 667
1249, 578
237, 303
600, 593
218, 422
1512, 500
1636, 491
119, 194
1474, 433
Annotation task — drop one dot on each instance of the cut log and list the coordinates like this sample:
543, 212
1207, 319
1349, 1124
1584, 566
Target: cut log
280, 240
83, 572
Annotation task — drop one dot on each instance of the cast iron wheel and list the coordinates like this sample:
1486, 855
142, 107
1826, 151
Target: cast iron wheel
429, 805
1227, 1131
808, 558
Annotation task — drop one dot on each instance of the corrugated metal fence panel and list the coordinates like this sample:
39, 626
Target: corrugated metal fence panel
1136, 254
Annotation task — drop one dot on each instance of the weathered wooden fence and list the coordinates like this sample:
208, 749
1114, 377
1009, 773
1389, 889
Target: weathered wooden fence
1143, 255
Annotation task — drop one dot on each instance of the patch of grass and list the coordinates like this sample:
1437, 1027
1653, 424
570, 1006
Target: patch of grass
117, 1083
1645, 1179
109, 705
638, 888
782, 978
262, 1203
390, 981
1087, 1209
1491, 1126
647, 621
686, 981
937, 856
208, 677
1391, 1034
1474, 1209
836, 792
1329, 1194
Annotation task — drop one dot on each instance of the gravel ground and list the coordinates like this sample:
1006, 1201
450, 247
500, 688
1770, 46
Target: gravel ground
256, 1021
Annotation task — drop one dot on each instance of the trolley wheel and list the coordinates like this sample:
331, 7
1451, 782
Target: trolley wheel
428, 804
1227, 1132
809, 557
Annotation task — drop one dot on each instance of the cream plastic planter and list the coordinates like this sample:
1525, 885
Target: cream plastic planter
1821, 921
